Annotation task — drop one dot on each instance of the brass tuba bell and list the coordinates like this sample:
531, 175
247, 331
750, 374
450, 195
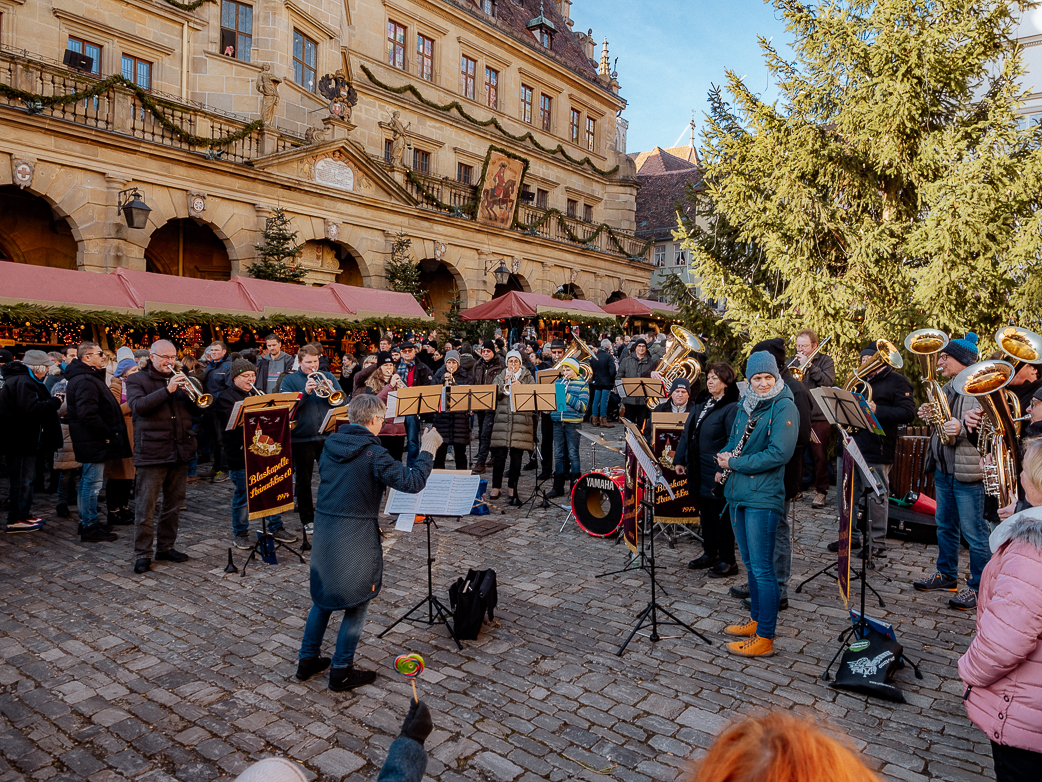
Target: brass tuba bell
582, 353
997, 441
885, 353
678, 360
926, 344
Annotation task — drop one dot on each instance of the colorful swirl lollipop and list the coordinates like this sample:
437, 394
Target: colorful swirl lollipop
410, 666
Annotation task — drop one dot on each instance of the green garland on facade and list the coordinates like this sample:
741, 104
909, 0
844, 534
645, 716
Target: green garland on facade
493, 122
155, 107
585, 241
469, 208
189, 6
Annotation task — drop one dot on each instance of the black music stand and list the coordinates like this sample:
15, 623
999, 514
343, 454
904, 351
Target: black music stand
535, 398
650, 477
437, 613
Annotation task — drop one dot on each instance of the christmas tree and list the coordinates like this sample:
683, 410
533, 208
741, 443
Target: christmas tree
403, 273
276, 252
890, 186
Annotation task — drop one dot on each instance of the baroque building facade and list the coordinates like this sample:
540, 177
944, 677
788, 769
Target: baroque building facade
486, 131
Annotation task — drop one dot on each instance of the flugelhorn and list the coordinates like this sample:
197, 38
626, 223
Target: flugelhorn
195, 391
885, 353
324, 389
796, 369
678, 360
997, 441
926, 344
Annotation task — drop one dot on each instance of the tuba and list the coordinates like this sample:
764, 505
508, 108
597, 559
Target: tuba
1020, 345
997, 440
885, 353
678, 360
324, 389
582, 353
926, 344
195, 391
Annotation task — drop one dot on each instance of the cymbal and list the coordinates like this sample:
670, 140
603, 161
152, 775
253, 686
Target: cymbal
598, 439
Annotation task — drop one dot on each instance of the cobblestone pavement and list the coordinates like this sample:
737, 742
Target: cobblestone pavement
187, 672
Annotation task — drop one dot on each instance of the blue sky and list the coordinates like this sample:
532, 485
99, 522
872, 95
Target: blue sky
670, 52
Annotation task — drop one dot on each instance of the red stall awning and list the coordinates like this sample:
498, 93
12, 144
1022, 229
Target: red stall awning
642, 308
518, 304
22, 283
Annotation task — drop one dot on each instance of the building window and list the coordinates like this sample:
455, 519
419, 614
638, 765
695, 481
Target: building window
464, 173
542, 198
395, 45
236, 30
660, 255
591, 133
546, 106
681, 257
424, 57
573, 126
467, 69
138, 71
91, 50
545, 38
572, 208
388, 146
305, 60
526, 104
587, 213
421, 161
491, 88
489, 7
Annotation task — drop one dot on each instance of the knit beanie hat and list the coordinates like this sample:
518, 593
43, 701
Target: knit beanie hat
868, 349
776, 347
124, 353
515, 354
452, 355
384, 357
680, 382
239, 366
488, 345
639, 341
570, 362
1038, 394
126, 364
761, 361
963, 350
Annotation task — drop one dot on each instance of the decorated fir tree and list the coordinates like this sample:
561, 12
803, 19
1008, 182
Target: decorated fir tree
889, 187
275, 256
403, 273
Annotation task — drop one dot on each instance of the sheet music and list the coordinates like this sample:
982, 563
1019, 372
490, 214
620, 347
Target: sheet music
405, 522
392, 408
650, 467
444, 495
230, 423
859, 460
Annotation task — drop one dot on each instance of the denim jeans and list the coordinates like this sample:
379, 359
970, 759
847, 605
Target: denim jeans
240, 511
22, 471
600, 402
67, 486
412, 438
566, 437
960, 507
755, 531
346, 639
91, 480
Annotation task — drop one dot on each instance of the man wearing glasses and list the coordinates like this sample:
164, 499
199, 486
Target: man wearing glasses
164, 444
98, 433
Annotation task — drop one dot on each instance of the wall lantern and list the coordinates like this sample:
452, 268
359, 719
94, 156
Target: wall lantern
135, 211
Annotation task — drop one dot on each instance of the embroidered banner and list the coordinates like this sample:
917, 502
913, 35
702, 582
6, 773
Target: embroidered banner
683, 509
269, 461
847, 513
629, 502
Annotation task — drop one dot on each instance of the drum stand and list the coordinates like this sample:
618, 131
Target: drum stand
653, 607
437, 613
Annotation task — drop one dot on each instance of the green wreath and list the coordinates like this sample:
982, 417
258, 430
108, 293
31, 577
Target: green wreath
587, 241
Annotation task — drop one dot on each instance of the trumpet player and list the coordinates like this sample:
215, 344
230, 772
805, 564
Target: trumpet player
817, 370
307, 439
164, 444
412, 373
959, 485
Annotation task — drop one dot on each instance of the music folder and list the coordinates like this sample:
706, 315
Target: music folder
289, 399
533, 399
418, 400
467, 399
334, 419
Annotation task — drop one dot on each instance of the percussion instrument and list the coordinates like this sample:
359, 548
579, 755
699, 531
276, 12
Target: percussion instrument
597, 499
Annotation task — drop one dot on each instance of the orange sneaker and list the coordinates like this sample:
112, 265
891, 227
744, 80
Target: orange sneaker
754, 647
748, 630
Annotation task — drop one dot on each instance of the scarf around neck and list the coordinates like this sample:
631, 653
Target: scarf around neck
751, 399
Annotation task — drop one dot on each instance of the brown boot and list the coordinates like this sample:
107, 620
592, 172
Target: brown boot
595, 420
607, 424
754, 647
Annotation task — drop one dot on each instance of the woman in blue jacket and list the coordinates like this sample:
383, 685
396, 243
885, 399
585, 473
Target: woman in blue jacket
769, 423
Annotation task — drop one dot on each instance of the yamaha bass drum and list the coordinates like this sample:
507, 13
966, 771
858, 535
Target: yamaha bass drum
597, 499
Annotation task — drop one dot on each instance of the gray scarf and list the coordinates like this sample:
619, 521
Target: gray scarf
751, 399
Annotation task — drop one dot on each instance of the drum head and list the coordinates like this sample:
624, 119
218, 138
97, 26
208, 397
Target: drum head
597, 504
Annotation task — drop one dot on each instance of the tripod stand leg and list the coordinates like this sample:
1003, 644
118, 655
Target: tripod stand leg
640, 623
842, 645
821, 572
685, 626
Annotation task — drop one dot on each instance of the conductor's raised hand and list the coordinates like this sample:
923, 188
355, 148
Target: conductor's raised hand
431, 441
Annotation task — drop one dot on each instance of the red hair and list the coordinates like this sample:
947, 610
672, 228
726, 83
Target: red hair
779, 748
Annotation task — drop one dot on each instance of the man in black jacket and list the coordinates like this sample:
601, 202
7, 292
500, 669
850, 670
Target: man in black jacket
638, 363
29, 422
218, 365
819, 372
488, 365
98, 433
164, 444
603, 367
413, 373
546, 425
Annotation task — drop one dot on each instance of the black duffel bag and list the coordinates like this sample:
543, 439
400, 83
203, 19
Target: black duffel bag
470, 599
867, 666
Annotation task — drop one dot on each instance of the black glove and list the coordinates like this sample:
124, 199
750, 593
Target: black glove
418, 723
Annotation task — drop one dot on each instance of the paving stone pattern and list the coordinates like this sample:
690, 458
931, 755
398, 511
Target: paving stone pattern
187, 672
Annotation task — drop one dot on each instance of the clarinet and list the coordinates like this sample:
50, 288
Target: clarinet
718, 490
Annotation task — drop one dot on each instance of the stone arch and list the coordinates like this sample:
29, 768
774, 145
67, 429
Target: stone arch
615, 296
34, 230
573, 289
517, 282
440, 281
188, 247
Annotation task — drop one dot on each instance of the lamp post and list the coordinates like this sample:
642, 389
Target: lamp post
135, 210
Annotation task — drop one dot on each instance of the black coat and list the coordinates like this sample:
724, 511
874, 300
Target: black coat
454, 428
232, 440
892, 393
603, 366
96, 425
421, 374
702, 445
28, 414
163, 431
217, 376
484, 372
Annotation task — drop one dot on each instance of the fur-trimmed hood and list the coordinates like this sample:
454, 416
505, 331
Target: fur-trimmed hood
1025, 526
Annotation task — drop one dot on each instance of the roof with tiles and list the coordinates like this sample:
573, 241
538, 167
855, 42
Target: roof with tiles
660, 161
664, 180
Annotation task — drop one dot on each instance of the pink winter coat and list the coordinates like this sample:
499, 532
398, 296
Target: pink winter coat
1003, 666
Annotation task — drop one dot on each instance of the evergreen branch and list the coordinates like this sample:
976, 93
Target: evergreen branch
189, 6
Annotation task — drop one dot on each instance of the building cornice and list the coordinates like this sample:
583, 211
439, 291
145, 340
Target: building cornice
112, 32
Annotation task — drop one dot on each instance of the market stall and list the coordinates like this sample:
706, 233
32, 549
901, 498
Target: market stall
642, 315
518, 312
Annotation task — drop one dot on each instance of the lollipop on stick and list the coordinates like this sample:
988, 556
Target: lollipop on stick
410, 666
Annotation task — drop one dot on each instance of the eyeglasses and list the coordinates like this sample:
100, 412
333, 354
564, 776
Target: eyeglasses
165, 358
88, 355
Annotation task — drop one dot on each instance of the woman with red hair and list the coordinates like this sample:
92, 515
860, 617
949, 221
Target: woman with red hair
779, 748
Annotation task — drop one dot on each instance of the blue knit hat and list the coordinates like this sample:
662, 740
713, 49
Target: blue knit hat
963, 350
125, 366
761, 361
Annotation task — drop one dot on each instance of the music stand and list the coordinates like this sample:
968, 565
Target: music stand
645, 387
418, 400
335, 418
468, 399
534, 398
650, 476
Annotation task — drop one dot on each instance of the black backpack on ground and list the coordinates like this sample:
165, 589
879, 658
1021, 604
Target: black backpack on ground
471, 598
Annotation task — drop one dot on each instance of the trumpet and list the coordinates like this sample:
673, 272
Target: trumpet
324, 389
796, 369
926, 344
885, 353
450, 379
997, 440
254, 391
194, 390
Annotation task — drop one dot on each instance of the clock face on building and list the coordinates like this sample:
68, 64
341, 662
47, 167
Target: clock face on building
198, 204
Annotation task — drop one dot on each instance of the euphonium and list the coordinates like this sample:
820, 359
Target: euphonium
678, 361
195, 391
885, 353
582, 353
926, 344
997, 442
324, 389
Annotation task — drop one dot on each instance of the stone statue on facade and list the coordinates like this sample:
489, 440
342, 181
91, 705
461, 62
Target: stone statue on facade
268, 87
398, 139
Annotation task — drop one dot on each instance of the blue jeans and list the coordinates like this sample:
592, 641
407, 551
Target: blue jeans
960, 507
755, 531
346, 639
91, 480
240, 512
600, 402
22, 471
566, 436
412, 438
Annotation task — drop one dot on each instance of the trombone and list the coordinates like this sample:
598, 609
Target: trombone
324, 389
796, 369
195, 391
885, 353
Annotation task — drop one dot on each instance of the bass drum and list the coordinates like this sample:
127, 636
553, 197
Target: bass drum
597, 499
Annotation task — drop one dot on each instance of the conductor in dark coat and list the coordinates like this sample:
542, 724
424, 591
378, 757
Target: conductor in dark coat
347, 558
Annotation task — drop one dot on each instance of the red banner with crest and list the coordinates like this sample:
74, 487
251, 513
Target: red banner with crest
269, 461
